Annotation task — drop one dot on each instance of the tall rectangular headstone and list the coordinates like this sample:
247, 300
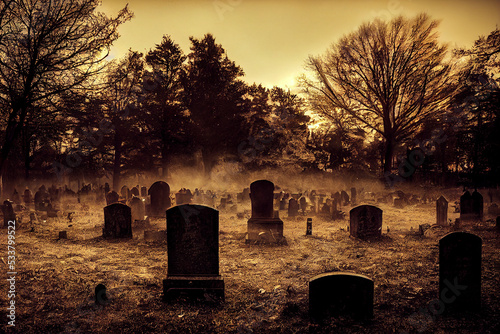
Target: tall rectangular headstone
193, 252
460, 272
442, 211
160, 198
8, 213
340, 294
477, 205
117, 221
264, 226
365, 222
466, 206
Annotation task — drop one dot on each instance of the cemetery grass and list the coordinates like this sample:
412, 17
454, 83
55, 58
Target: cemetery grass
266, 286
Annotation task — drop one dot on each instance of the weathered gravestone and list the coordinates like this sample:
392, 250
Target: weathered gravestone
160, 198
134, 191
365, 222
137, 208
27, 197
460, 272
354, 196
293, 207
309, 226
477, 205
112, 197
466, 207
263, 226
344, 198
246, 194
442, 211
8, 213
144, 192
117, 221
193, 253
340, 294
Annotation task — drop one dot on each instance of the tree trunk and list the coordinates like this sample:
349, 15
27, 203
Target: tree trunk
117, 163
388, 154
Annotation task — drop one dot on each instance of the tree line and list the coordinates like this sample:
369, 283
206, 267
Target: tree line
379, 95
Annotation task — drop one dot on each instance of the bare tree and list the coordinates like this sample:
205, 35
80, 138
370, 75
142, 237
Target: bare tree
48, 47
388, 76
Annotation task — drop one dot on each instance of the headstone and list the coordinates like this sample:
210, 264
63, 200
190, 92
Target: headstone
303, 204
246, 194
283, 204
263, 226
134, 191
16, 198
117, 221
460, 272
160, 198
442, 211
112, 197
477, 205
63, 235
137, 208
125, 192
184, 196
144, 192
27, 197
193, 252
8, 213
100, 295
354, 196
344, 198
309, 227
466, 206
340, 294
293, 207
365, 222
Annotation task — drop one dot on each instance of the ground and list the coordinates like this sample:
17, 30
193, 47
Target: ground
266, 286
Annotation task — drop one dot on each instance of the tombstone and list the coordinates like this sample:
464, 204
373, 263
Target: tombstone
283, 204
442, 211
340, 294
112, 197
246, 194
303, 204
477, 205
134, 191
466, 206
336, 196
117, 221
144, 192
100, 295
137, 208
344, 198
160, 198
354, 196
193, 253
8, 213
183, 196
27, 197
293, 207
309, 226
365, 222
125, 193
264, 226
63, 235
38, 200
460, 272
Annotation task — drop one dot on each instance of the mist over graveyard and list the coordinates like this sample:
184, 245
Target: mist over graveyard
160, 192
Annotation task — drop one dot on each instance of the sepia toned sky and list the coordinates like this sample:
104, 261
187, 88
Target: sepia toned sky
271, 39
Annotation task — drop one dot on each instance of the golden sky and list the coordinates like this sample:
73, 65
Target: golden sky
271, 39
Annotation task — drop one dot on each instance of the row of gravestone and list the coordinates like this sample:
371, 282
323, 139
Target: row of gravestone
193, 268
